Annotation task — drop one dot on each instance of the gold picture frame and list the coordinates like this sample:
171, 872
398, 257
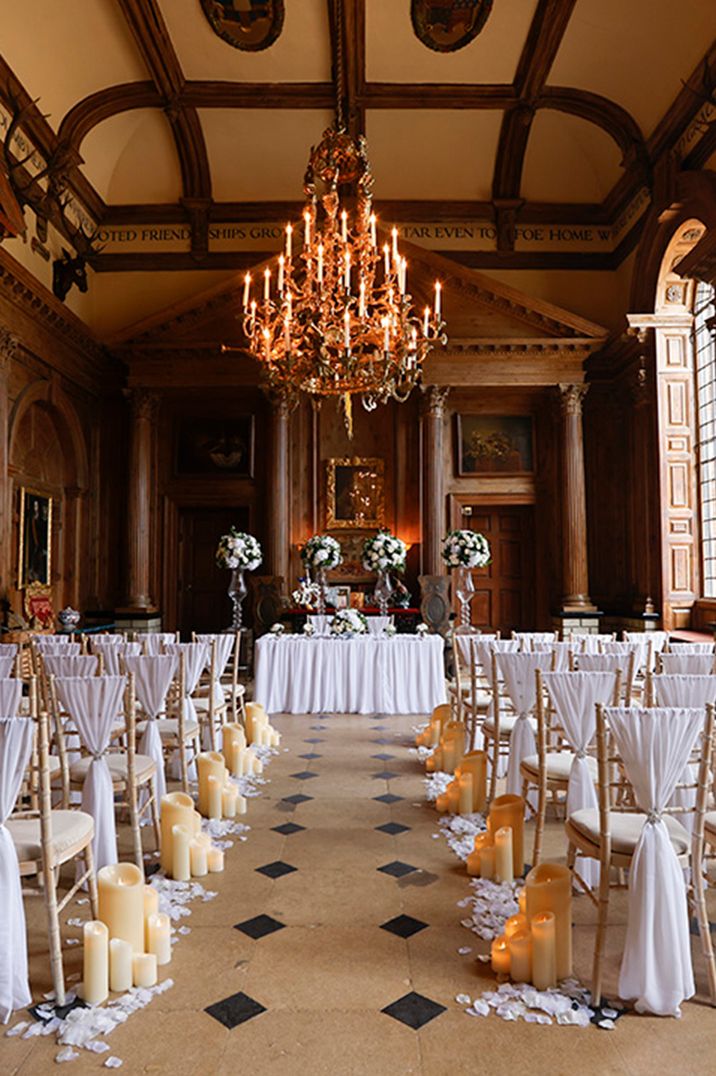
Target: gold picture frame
355, 494
34, 563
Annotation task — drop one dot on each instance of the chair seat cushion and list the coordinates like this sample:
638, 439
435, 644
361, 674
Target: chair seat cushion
201, 705
626, 829
507, 723
169, 728
71, 831
559, 765
143, 767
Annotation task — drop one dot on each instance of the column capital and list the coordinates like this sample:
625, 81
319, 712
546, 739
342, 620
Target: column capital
9, 347
434, 397
144, 403
571, 398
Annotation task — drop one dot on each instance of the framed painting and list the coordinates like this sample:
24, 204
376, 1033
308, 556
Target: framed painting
216, 446
355, 496
35, 546
343, 597
494, 444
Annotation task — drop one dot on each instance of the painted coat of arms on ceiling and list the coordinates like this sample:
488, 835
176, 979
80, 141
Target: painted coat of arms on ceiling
250, 25
448, 25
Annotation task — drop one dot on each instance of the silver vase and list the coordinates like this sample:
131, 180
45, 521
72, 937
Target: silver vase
465, 591
382, 592
237, 592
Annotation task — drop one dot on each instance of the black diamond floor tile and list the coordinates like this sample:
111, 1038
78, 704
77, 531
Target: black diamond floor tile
235, 1010
387, 797
298, 798
414, 1010
304, 775
259, 927
288, 828
404, 926
384, 775
397, 869
279, 868
378, 728
385, 740
383, 756
392, 828
314, 739
318, 728
311, 754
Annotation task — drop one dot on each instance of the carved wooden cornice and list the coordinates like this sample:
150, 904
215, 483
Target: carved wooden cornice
568, 346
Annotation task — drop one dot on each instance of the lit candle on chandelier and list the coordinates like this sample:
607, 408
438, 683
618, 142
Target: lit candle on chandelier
344, 226
247, 288
361, 300
287, 333
438, 289
402, 272
426, 320
347, 328
289, 233
373, 237
267, 285
394, 233
280, 273
307, 229
319, 267
386, 334
253, 314
347, 272
386, 254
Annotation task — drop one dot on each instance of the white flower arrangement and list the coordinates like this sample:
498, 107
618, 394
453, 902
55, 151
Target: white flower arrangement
349, 622
466, 549
322, 552
238, 550
306, 594
390, 630
308, 628
276, 630
384, 553
422, 630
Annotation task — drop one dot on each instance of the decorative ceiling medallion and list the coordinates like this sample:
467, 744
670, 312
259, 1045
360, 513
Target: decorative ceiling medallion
249, 25
448, 25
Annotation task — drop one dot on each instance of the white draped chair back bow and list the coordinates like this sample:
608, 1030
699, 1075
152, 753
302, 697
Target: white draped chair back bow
575, 696
528, 640
70, 665
8, 656
10, 696
16, 737
155, 641
486, 648
222, 653
112, 652
692, 648
518, 672
695, 692
54, 642
93, 704
153, 674
688, 664
656, 969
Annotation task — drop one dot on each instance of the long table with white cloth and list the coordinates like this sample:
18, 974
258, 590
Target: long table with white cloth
368, 674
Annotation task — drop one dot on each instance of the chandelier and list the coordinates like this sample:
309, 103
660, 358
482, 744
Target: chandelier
332, 315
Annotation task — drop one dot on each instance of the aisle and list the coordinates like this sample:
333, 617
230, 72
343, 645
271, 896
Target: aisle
339, 905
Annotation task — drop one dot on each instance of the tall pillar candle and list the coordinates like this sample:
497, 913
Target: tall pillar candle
500, 956
214, 792
197, 859
121, 902
482, 840
520, 946
487, 862
160, 937
453, 795
544, 951
151, 907
475, 762
503, 855
177, 810
209, 764
466, 796
95, 976
509, 810
229, 797
120, 966
181, 859
548, 888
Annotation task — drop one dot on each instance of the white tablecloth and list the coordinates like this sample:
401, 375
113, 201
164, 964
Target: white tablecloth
368, 675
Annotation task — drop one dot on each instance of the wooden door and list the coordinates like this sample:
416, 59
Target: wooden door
504, 591
203, 603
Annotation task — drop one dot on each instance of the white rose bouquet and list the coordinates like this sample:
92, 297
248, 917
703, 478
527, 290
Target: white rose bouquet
390, 630
306, 594
322, 552
276, 630
422, 630
466, 549
384, 553
238, 550
349, 622
308, 629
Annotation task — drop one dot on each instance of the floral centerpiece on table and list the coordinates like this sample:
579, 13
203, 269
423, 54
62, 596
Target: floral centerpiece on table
390, 630
349, 622
322, 553
238, 550
464, 550
306, 594
276, 630
384, 553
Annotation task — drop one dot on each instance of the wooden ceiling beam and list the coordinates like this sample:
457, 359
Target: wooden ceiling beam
346, 22
95, 108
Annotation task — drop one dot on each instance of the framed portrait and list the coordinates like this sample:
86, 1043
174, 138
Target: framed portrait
355, 496
216, 446
35, 547
342, 597
494, 444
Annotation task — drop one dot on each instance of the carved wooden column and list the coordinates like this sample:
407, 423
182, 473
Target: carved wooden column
575, 571
434, 492
9, 344
144, 406
278, 493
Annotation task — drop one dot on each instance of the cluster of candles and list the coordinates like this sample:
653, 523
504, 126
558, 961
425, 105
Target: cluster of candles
130, 939
186, 852
536, 946
498, 853
258, 729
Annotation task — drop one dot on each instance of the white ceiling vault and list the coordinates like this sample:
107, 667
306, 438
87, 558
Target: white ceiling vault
555, 117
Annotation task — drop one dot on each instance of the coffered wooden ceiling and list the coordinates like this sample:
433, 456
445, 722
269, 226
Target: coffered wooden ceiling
559, 111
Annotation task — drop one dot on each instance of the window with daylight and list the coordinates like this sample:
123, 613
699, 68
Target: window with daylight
705, 354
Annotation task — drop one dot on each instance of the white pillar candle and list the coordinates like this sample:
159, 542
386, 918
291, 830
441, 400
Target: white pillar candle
151, 907
503, 855
215, 860
453, 795
241, 804
177, 810
487, 861
544, 950
209, 764
500, 956
465, 800
257, 766
121, 902
520, 946
144, 969
120, 966
197, 859
229, 797
196, 823
181, 839
160, 937
96, 963
215, 788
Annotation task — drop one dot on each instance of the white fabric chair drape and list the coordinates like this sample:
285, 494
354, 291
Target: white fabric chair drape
155, 641
656, 969
465, 642
528, 639
694, 692
106, 638
639, 649
688, 664
112, 652
561, 653
15, 751
692, 648
70, 665
658, 639
575, 696
224, 649
518, 672
10, 696
486, 648
195, 655
7, 664
592, 642
93, 704
153, 675
54, 642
